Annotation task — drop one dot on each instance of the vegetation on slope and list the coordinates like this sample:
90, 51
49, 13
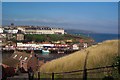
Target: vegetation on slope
102, 54
53, 37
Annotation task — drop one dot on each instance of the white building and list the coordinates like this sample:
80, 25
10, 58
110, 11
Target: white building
85, 45
75, 47
14, 31
33, 30
1, 30
57, 31
41, 30
29, 45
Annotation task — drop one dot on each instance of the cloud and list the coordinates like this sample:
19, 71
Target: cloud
93, 25
39, 20
68, 22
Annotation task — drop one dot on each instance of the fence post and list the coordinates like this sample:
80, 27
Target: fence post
119, 66
52, 75
38, 75
85, 70
85, 74
30, 74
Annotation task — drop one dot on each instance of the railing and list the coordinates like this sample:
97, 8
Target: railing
81, 72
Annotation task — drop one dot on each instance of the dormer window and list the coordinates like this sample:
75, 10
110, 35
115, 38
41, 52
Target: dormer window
15, 56
20, 58
25, 58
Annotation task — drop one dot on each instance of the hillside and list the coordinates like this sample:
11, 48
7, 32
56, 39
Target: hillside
54, 37
102, 54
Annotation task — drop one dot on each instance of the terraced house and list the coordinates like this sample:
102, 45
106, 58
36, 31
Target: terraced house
40, 30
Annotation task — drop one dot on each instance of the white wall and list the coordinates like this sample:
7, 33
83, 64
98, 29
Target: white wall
53, 31
1, 30
29, 45
11, 31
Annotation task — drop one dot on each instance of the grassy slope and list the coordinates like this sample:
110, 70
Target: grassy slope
54, 37
99, 55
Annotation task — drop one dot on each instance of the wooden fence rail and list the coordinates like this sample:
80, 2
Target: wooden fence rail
87, 70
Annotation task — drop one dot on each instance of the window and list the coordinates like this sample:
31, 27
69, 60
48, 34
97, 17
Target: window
15, 56
20, 58
25, 58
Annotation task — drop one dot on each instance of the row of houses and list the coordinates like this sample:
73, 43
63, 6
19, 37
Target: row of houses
31, 30
40, 46
4, 37
21, 62
17, 32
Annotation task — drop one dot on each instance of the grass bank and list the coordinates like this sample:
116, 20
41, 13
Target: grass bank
102, 54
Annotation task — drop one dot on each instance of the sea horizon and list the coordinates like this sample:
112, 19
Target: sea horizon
99, 37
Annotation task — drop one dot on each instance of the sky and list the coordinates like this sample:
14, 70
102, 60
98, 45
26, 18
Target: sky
60, 0
99, 17
0, 13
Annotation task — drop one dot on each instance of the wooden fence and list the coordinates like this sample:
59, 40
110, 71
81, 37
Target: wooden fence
83, 73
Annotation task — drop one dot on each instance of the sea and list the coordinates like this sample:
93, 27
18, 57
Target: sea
99, 37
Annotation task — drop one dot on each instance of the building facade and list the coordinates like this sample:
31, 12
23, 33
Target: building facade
20, 37
1, 30
41, 30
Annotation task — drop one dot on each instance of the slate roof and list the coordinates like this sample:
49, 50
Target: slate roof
20, 56
10, 62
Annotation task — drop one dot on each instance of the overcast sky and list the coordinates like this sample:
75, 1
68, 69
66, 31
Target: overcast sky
94, 16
